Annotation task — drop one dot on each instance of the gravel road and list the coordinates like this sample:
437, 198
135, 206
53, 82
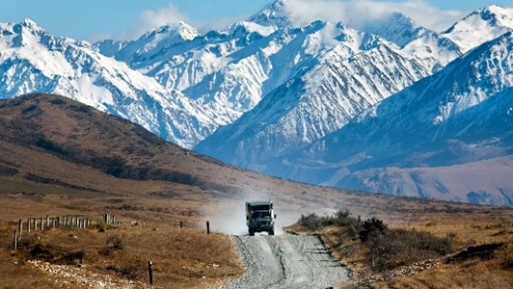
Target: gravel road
287, 261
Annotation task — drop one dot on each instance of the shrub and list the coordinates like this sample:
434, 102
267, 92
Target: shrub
387, 248
131, 272
71, 258
28, 243
310, 222
41, 252
342, 218
371, 228
57, 101
7, 171
390, 249
112, 244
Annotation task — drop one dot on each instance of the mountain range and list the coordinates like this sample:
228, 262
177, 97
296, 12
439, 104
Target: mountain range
393, 107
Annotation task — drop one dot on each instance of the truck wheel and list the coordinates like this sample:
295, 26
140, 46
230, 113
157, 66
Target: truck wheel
271, 233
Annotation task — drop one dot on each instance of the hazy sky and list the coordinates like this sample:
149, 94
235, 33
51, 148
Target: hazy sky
94, 19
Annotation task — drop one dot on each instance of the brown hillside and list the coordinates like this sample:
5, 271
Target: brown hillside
60, 156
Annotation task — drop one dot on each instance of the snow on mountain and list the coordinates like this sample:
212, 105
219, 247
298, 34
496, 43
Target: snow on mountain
274, 15
481, 26
159, 41
318, 101
396, 28
457, 122
31, 60
197, 64
432, 50
228, 72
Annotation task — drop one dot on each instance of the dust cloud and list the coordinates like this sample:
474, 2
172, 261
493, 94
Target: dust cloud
229, 216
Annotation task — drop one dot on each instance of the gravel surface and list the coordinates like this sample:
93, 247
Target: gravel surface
77, 277
287, 261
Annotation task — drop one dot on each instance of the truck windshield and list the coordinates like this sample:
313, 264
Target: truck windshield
261, 208
265, 214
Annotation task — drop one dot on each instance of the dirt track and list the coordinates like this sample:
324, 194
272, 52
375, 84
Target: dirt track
287, 261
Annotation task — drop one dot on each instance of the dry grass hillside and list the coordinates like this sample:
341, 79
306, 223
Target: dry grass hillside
60, 157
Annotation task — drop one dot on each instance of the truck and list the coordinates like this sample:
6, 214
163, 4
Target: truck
260, 217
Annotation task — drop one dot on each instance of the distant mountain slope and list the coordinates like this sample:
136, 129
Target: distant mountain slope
396, 28
32, 60
311, 106
227, 73
481, 26
433, 50
457, 122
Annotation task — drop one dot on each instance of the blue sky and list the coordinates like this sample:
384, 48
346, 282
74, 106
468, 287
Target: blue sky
94, 19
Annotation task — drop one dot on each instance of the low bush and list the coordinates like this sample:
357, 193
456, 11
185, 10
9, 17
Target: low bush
113, 243
371, 228
341, 218
311, 222
392, 248
130, 272
387, 248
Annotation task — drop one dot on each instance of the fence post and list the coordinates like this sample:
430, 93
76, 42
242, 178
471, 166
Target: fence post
15, 241
42, 224
150, 272
181, 224
208, 227
20, 228
28, 226
47, 221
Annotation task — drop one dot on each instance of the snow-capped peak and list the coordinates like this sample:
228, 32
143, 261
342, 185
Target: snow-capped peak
275, 14
181, 29
168, 34
396, 28
152, 42
30, 24
481, 26
250, 27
